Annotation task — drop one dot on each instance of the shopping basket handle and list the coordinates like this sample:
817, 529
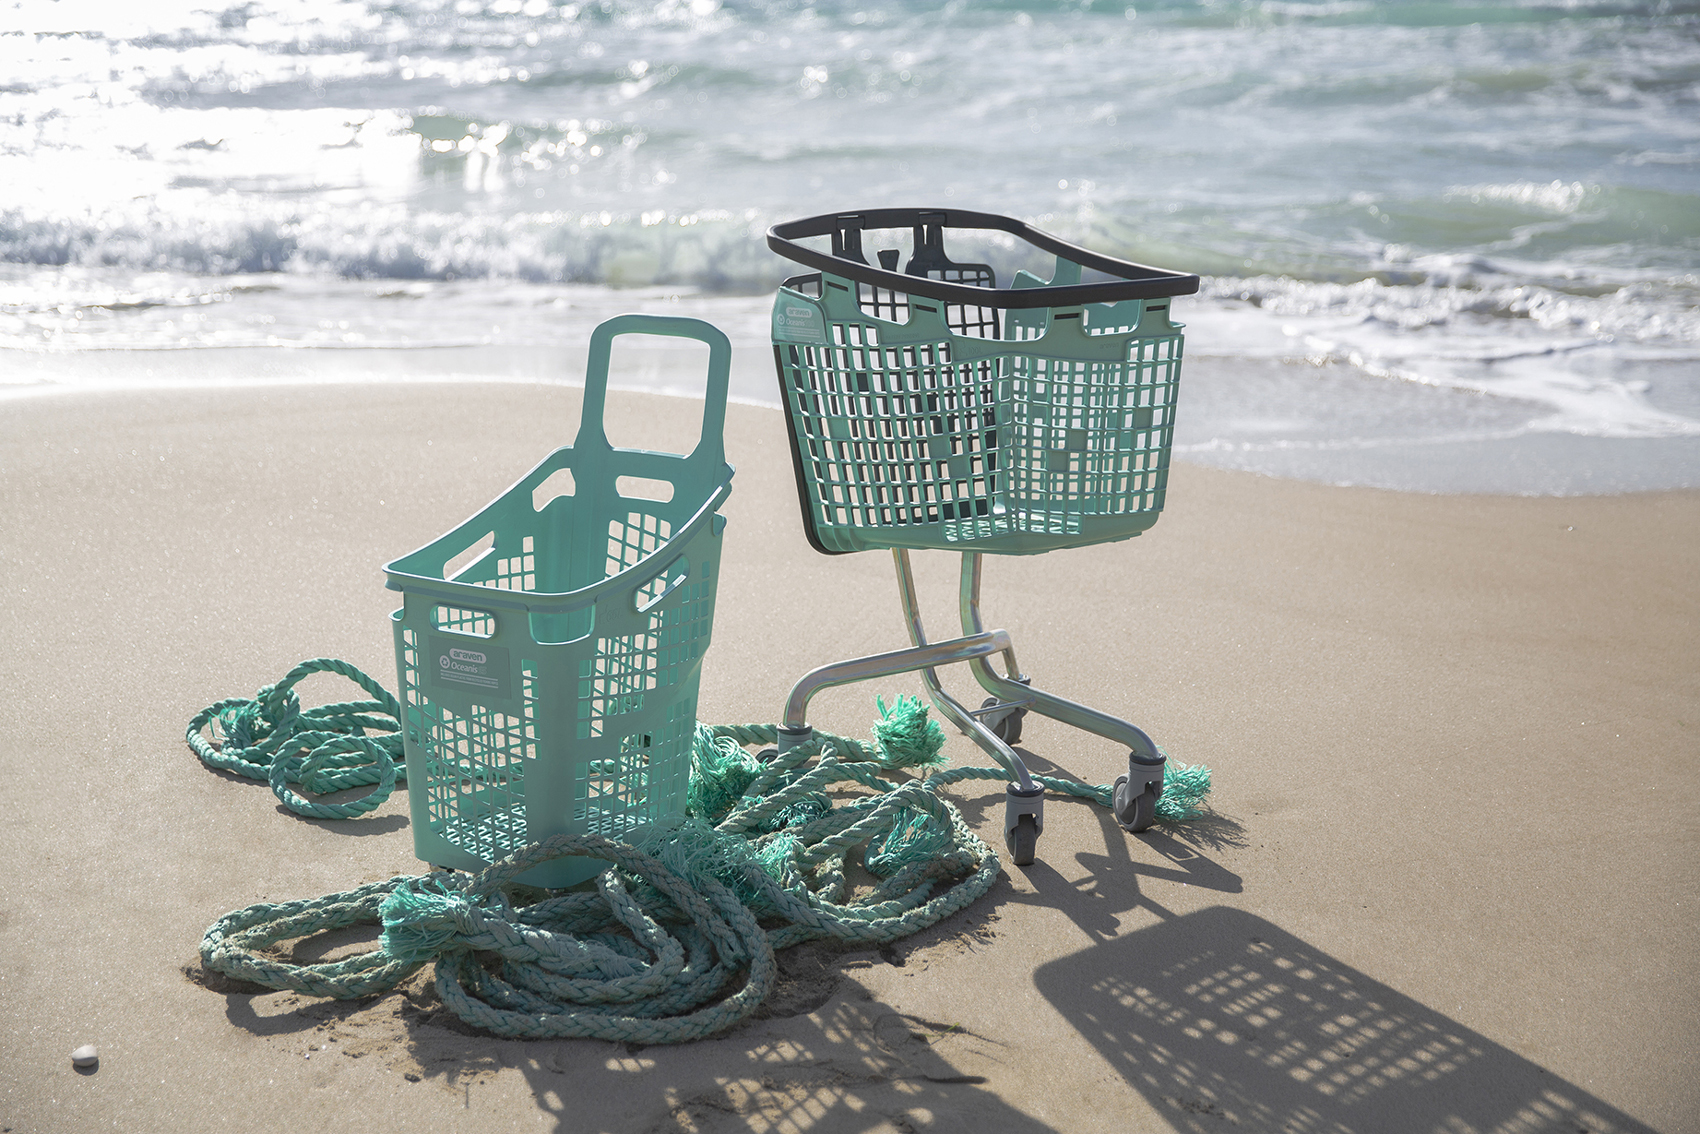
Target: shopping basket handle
710, 448
1138, 281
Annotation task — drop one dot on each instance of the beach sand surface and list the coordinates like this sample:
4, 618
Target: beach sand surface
1450, 881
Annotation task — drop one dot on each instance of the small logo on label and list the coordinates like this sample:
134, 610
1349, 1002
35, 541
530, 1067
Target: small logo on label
461, 672
798, 323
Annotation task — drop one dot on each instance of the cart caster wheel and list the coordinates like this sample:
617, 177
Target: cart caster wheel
1137, 814
1008, 729
1022, 840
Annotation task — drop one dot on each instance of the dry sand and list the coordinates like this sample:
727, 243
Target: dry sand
1450, 883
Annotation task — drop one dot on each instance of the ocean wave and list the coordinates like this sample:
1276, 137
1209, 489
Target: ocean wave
715, 250
91, 309
1653, 312
1585, 358
1224, 445
1493, 198
1562, 197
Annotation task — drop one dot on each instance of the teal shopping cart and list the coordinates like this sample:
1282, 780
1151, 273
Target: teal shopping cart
931, 409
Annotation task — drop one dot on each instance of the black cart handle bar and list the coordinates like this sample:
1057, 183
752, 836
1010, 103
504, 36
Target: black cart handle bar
1137, 281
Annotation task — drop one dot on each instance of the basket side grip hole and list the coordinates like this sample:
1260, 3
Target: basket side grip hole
463, 620
669, 579
480, 547
643, 488
559, 483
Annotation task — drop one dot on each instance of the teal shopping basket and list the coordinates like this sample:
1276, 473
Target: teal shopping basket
549, 686
929, 408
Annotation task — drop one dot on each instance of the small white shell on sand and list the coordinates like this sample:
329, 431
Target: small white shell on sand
86, 1056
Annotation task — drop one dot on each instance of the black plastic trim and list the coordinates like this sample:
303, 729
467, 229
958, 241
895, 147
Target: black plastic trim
1138, 281
809, 531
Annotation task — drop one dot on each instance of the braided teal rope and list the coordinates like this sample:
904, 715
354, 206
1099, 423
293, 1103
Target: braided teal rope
232, 943
1185, 787
677, 939
269, 737
649, 956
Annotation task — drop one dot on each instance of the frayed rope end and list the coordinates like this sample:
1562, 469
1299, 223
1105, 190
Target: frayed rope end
421, 916
907, 738
1185, 787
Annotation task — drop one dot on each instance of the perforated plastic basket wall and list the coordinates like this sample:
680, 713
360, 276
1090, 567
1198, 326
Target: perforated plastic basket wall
930, 409
550, 685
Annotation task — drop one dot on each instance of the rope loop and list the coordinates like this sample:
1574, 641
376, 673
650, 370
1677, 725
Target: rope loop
321, 750
336, 761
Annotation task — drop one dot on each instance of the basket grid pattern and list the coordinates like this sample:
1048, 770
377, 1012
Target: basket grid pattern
1088, 438
475, 789
896, 436
964, 319
517, 572
612, 795
638, 535
624, 668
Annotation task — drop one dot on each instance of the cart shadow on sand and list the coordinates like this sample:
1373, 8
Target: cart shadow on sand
1224, 1020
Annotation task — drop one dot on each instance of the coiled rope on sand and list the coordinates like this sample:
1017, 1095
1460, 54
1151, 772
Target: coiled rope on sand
676, 939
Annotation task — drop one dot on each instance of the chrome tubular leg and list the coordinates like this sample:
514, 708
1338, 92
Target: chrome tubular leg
953, 711
906, 595
1013, 688
923, 657
948, 705
969, 599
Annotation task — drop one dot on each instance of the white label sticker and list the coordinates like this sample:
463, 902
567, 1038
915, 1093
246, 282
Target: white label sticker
481, 667
795, 322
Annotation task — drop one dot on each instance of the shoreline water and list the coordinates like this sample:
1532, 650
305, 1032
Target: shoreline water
1329, 422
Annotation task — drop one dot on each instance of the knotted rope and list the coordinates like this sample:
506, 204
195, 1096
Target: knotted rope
269, 737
